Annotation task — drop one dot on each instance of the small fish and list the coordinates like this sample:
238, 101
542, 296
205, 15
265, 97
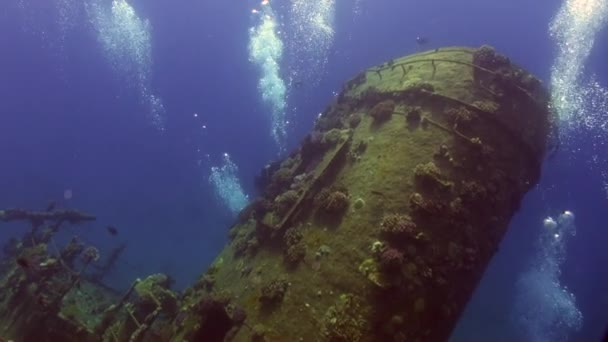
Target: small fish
51, 206
112, 230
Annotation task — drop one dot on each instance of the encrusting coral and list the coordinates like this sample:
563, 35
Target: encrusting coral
396, 227
382, 111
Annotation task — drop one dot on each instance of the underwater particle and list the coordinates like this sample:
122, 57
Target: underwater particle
382, 111
67, 194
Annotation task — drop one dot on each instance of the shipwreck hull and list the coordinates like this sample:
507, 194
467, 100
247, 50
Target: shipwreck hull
377, 228
381, 224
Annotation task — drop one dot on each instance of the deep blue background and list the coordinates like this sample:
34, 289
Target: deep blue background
67, 122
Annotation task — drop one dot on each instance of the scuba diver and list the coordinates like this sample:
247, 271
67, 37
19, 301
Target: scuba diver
421, 41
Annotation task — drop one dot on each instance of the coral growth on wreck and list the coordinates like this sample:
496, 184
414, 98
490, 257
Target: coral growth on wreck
274, 291
382, 111
332, 202
398, 227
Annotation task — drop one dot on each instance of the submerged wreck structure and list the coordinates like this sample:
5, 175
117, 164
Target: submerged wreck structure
377, 228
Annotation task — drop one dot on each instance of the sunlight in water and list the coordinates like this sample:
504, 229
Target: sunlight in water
311, 28
126, 41
544, 309
225, 181
266, 51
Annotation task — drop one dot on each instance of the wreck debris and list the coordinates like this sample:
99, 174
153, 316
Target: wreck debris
40, 217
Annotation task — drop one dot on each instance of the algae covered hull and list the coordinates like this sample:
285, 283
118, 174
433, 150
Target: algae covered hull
378, 227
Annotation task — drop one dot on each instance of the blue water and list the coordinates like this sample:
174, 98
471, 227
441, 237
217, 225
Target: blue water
71, 120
